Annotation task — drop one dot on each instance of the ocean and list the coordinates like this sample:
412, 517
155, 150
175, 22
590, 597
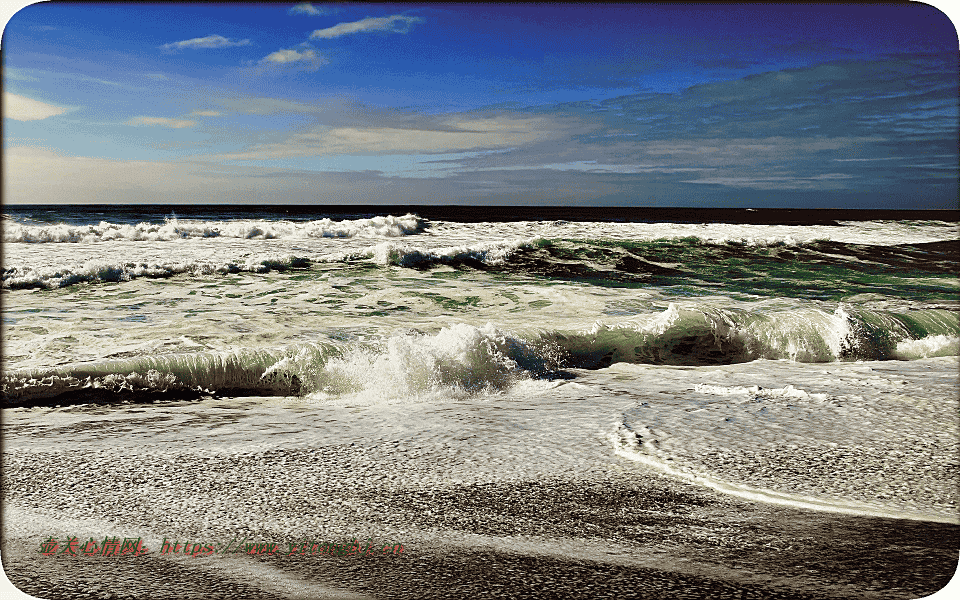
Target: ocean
801, 358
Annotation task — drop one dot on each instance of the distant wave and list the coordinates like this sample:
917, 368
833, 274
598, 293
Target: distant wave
174, 229
754, 268
762, 262
463, 360
485, 254
16, 278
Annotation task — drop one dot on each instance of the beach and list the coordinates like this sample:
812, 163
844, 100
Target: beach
607, 526
283, 404
515, 300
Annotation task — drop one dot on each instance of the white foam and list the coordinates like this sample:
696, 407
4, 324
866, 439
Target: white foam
855, 232
175, 229
927, 347
404, 255
461, 360
52, 277
758, 392
715, 334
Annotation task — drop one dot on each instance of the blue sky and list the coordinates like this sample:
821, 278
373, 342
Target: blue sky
634, 104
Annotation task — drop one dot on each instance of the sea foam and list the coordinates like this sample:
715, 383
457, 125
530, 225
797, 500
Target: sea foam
96, 271
175, 229
464, 359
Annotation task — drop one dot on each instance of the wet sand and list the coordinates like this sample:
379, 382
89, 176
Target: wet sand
623, 531
506, 496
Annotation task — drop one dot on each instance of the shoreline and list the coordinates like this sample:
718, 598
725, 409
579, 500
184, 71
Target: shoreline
853, 507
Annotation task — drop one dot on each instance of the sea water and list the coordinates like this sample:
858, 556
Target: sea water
812, 364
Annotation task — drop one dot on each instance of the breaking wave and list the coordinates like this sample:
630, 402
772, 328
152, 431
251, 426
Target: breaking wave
749, 268
463, 360
174, 229
482, 255
95, 271
703, 336
761, 266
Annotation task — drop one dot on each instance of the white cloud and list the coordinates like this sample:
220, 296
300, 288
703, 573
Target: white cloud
162, 121
307, 59
206, 113
24, 109
393, 24
305, 8
211, 41
289, 56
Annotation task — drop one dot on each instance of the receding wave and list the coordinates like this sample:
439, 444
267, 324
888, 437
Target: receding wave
174, 229
95, 271
463, 360
628, 444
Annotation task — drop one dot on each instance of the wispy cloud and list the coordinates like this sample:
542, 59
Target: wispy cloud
591, 166
305, 8
392, 24
161, 121
796, 130
868, 159
270, 106
43, 75
17, 74
211, 41
826, 181
451, 135
24, 109
307, 59
206, 113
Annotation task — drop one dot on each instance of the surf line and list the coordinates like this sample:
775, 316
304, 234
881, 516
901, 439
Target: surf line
625, 445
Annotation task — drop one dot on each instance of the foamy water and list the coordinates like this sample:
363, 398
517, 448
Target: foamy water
806, 364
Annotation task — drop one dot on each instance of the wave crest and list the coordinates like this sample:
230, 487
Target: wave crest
17, 278
174, 229
465, 360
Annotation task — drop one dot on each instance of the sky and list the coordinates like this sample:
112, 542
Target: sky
695, 105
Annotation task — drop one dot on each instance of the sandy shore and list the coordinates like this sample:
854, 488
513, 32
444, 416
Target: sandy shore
616, 530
